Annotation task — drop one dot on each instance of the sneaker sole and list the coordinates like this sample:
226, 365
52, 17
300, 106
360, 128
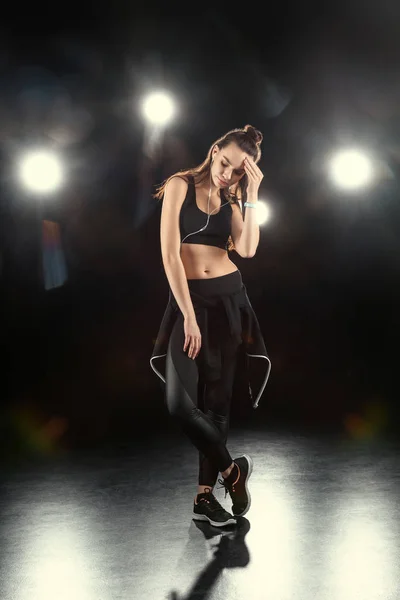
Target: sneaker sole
197, 517
250, 462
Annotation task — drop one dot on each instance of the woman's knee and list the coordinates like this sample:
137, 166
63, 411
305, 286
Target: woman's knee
181, 409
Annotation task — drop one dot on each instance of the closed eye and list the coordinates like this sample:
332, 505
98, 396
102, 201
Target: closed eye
237, 171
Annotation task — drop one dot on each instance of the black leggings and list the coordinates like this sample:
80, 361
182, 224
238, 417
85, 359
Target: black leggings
202, 407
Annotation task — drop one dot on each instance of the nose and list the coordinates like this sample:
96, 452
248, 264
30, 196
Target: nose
227, 174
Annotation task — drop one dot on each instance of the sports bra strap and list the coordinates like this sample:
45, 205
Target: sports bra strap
192, 189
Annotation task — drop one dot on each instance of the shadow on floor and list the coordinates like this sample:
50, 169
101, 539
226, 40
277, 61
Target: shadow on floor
227, 548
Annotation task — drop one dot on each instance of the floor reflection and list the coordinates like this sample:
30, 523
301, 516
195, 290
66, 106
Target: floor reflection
117, 525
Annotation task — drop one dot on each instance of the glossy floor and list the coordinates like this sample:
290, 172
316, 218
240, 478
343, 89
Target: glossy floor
115, 524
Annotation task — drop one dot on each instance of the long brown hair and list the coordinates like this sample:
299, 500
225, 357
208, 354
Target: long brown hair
249, 140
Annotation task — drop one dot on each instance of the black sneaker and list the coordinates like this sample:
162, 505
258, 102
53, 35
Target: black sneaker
209, 509
238, 489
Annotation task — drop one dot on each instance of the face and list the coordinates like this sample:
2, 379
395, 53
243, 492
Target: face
227, 167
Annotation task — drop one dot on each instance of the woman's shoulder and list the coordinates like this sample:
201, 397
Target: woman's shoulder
176, 190
178, 182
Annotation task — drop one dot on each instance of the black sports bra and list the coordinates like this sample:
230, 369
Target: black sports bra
192, 219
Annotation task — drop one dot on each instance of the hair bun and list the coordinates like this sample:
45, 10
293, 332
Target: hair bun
254, 134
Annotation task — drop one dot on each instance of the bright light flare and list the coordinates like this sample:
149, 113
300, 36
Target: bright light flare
264, 212
351, 169
40, 171
158, 108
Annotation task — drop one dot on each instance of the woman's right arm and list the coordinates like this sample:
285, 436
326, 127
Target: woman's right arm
174, 197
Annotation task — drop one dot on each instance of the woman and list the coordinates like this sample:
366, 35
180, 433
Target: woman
209, 314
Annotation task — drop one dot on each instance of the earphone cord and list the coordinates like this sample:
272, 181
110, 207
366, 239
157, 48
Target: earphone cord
208, 213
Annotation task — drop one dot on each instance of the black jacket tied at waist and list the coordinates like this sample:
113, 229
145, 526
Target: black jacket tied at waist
243, 329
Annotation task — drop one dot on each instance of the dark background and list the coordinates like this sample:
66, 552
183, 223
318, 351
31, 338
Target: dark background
324, 281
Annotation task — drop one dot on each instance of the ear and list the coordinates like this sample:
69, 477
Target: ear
214, 151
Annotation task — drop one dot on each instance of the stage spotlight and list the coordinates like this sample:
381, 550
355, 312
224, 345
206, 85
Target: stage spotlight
40, 171
351, 169
158, 108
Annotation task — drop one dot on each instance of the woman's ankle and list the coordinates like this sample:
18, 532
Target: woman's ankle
228, 471
201, 489
231, 478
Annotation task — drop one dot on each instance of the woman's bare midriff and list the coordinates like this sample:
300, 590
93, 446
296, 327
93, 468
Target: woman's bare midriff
203, 262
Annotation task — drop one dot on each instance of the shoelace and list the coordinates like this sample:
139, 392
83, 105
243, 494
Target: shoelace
225, 485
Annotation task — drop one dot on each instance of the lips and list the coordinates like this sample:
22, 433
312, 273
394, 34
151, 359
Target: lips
223, 183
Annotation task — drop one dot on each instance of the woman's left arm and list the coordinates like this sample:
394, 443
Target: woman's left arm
250, 236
